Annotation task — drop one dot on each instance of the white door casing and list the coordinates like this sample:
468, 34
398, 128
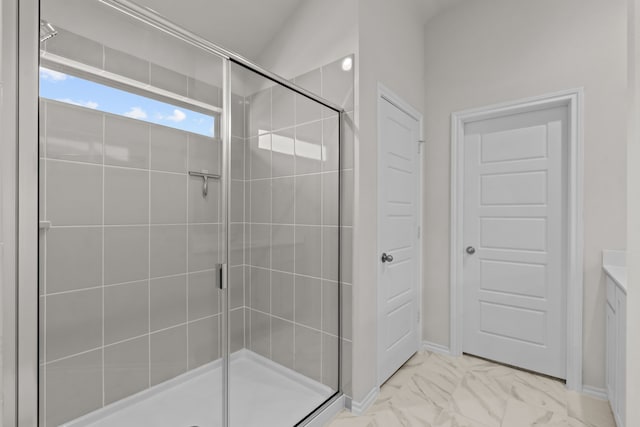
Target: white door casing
571, 232
398, 201
513, 281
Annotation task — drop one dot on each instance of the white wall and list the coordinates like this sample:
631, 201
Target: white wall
7, 201
392, 53
2, 61
479, 53
633, 213
317, 33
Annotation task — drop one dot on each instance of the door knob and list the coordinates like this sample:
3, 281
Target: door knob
387, 258
471, 250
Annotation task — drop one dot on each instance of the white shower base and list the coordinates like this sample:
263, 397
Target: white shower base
263, 394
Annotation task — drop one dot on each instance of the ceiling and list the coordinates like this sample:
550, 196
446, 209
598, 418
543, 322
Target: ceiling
243, 26
248, 26
431, 8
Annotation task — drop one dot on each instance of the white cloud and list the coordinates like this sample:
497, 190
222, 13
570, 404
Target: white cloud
136, 113
177, 116
51, 75
87, 104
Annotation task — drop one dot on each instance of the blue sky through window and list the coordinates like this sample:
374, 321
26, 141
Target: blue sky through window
73, 90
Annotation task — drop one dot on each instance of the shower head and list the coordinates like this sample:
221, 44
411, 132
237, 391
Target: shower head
47, 31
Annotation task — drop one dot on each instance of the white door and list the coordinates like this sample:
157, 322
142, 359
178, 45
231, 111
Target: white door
398, 238
513, 240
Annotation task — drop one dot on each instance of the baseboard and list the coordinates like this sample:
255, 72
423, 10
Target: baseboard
598, 393
436, 348
359, 408
617, 419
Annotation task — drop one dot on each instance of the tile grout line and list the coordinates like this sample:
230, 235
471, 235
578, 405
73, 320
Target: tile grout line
139, 225
296, 323
104, 133
296, 274
153, 332
249, 339
321, 237
221, 245
186, 173
111, 285
270, 223
245, 228
110, 166
288, 128
186, 290
45, 272
149, 257
295, 258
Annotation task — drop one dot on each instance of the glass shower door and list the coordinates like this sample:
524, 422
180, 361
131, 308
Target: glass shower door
131, 223
284, 251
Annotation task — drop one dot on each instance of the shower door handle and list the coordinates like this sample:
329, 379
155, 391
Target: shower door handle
221, 276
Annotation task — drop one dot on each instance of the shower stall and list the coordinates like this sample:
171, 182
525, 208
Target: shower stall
189, 229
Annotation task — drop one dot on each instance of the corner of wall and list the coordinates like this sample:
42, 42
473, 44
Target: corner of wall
8, 39
391, 52
633, 212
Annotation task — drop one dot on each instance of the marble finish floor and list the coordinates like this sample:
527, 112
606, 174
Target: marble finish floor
433, 390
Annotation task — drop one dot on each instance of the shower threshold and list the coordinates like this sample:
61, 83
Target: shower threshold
263, 393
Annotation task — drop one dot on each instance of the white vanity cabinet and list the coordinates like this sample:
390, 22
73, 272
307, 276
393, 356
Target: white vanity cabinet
616, 316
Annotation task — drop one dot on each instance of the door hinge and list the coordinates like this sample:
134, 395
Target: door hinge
418, 232
420, 142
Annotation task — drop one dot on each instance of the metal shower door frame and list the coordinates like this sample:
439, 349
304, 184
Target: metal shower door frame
20, 303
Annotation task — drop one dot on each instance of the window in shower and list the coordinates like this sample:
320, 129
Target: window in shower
69, 89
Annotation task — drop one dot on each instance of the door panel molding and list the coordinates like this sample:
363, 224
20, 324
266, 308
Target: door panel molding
573, 100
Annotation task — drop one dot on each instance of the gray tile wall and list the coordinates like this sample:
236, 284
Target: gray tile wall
125, 282
290, 220
238, 270
128, 296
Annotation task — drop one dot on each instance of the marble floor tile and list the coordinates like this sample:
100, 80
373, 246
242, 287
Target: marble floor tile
590, 411
417, 415
576, 423
520, 414
346, 419
453, 367
433, 390
451, 419
540, 391
474, 362
418, 360
480, 398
